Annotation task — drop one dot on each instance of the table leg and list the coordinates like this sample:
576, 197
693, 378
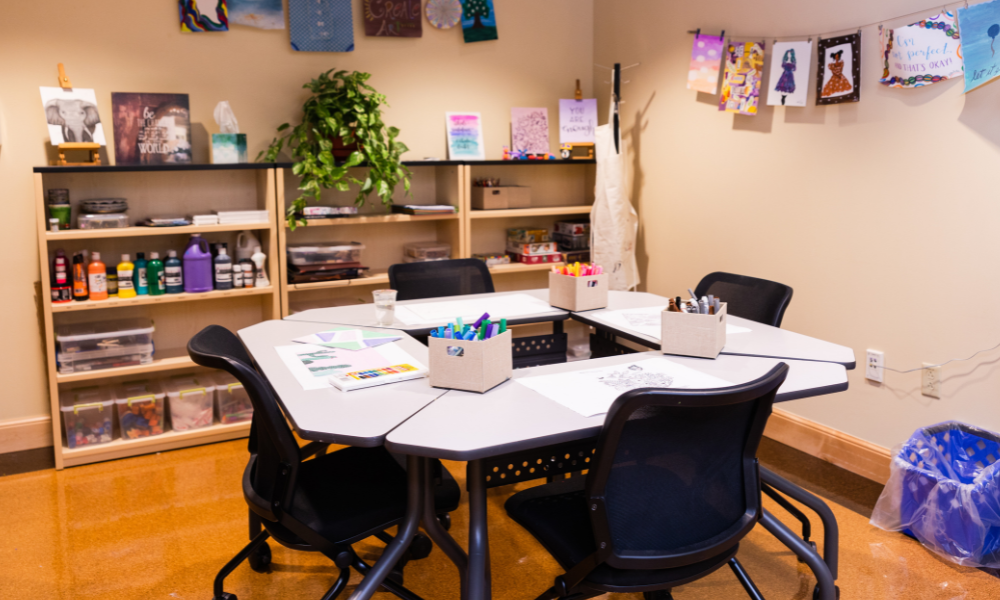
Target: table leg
557, 327
478, 578
404, 535
824, 580
438, 534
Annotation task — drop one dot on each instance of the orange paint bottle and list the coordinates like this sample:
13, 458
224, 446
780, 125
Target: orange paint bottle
97, 277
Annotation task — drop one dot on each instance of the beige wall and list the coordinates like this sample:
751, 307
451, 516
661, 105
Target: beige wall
882, 215
114, 45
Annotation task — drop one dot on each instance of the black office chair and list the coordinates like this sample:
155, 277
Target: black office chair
324, 504
438, 278
759, 300
672, 489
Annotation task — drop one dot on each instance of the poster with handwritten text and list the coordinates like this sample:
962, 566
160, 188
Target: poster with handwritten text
980, 27
577, 121
465, 136
922, 53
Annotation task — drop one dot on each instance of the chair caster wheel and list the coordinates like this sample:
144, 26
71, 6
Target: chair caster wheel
420, 547
814, 547
260, 560
836, 589
657, 595
445, 520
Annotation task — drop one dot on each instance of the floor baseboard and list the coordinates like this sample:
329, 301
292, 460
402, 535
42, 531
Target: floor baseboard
25, 434
846, 451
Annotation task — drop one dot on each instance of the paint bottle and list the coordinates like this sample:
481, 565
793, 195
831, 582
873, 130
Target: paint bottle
139, 275
126, 287
237, 276
247, 272
80, 291
223, 269
112, 283
174, 273
155, 275
260, 275
245, 244
197, 266
62, 289
97, 278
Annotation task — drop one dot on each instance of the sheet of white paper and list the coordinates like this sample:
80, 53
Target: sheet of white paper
499, 307
313, 366
646, 321
592, 392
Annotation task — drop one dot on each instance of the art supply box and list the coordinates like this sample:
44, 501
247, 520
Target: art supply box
232, 403
140, 408
688, 334
104, 344
335, 252
536, 259
577, 294
427, 251
87, 415
192, 401
473, 366
496, 198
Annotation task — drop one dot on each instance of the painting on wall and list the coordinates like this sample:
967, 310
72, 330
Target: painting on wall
742, 77
465, 136
980, 27
529, 130
444, 14
151, 129
262, 14
194, 21
72, 116
321, 25
839, 77
706, 54
393, 18
922, 53
479, 21
789, 85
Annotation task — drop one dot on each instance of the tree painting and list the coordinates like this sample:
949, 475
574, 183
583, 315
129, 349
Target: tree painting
479, 23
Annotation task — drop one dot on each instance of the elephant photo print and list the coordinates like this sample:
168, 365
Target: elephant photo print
72, 116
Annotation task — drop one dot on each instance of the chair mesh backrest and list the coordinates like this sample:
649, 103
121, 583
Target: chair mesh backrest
682, 476
439, 278
759, 300
271, 438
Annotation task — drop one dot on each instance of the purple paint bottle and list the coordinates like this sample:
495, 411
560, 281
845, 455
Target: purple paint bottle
197, 266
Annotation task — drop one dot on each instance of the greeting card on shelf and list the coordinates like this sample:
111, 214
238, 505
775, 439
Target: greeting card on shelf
465, 136
578, 121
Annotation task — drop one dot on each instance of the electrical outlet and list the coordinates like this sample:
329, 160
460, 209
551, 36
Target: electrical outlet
930, 381
874, 370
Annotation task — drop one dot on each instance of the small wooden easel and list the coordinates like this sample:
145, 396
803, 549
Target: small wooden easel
93, 148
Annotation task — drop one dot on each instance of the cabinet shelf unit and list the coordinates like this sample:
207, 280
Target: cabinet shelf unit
154, 191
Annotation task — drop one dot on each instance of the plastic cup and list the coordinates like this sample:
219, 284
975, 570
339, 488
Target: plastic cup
385, 307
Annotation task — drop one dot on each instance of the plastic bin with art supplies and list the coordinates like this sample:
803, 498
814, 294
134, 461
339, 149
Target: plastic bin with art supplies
191, 399
332, 261
232, 403
141, 409
104, 345
426, 252
88, 415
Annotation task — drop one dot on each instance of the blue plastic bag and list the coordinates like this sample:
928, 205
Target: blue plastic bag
944, 490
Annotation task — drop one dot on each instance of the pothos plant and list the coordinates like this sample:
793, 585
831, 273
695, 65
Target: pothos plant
343, 112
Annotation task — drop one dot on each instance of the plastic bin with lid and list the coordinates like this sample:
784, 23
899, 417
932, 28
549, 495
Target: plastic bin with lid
428, 250
231, 399
104, 335
335, 252
191, 399
93, 360
87, 415
140, 408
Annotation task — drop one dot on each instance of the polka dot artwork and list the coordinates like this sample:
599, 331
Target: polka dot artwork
444, 14
839, 76
703, 72
939, 56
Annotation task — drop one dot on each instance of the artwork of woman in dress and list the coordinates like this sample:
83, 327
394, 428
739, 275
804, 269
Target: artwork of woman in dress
786, 84
838, 84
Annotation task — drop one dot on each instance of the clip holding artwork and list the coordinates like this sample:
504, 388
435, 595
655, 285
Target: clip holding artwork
839, 77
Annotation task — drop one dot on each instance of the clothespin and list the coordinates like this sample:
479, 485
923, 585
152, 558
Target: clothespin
697, 33
722, 36
64, 82
579, 92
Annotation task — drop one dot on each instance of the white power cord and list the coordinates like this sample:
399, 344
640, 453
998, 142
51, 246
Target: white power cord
942, 364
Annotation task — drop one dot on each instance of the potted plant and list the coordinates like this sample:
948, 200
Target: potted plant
341, 119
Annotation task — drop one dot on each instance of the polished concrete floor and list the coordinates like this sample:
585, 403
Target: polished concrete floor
161, 526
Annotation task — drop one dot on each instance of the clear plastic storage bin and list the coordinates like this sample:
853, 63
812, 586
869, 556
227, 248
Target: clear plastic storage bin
104, 221
191, 399
104, 335
87, 415
231, 400
140, 408
428, 250
336, 252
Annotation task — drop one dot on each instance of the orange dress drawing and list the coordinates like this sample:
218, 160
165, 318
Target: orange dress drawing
838, 84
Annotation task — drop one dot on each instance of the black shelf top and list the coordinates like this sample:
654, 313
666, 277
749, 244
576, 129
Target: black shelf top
160, 168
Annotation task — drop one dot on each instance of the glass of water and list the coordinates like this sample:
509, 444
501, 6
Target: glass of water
385, 307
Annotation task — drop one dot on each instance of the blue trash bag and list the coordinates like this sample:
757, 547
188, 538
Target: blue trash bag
944, 490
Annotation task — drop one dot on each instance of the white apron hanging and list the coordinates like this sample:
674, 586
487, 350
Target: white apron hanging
613, 222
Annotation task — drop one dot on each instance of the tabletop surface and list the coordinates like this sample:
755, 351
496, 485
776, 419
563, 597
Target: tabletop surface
363, 315
761, 340
357, 418
512, 417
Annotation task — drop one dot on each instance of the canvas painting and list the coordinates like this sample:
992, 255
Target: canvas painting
229, 148
922, 53
529, 130
578, 121
465, 136
194, 20
262, 14
151, 129
321, 25
393, 18
742, 77
789, 85
706, 54
979, 29
839, 77
479, 21
72, 116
